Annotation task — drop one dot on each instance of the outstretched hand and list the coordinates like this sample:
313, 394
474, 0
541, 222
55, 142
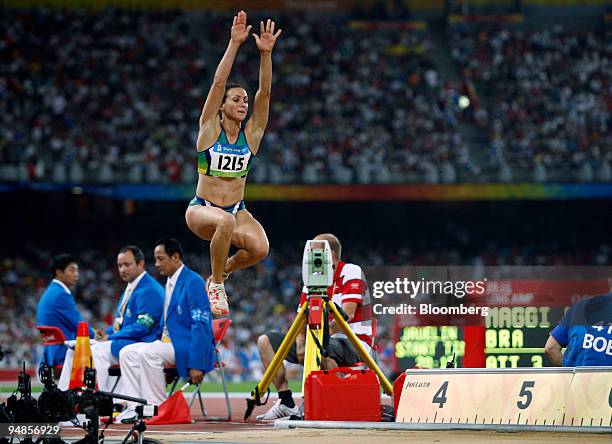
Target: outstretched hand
267, 38
240, 30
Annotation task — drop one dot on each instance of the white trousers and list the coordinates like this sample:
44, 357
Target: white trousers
102, 360
142, 370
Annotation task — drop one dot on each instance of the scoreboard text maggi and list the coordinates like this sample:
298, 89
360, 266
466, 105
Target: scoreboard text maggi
515, 336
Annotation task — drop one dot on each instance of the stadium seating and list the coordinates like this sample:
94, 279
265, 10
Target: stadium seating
115, 97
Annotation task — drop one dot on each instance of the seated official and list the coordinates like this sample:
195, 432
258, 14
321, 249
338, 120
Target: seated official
187, 338
586, 331
138, 318
348, 290
57, 307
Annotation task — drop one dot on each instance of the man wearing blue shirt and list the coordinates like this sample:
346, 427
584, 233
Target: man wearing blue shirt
57, 307
187, 337
586, 331
137, 318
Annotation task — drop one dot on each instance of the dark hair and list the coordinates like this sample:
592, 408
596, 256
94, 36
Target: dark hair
230, 85
171, 245
137, 252
61, 262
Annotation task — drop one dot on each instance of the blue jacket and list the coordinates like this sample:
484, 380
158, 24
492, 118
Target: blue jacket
142, 320
189, 324
57, 308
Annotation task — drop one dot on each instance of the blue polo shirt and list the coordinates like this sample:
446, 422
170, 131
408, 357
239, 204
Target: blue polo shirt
586, 331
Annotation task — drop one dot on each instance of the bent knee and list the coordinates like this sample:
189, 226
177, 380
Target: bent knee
226, 224
263, 342
260, 249
127, 354
329, 363
150, 354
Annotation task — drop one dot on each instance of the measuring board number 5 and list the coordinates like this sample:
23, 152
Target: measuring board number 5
440, 396
228, 163
527, 394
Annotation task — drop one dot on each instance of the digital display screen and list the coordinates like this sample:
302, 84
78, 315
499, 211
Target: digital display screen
514, 337
429, 347
521, 313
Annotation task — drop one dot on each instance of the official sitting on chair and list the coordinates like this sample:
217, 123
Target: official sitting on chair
138, 318
187, 337
348, 290
57, 307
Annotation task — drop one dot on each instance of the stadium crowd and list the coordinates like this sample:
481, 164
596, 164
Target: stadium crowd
98, 96
551, 95
114, 96
263, 298
355, 106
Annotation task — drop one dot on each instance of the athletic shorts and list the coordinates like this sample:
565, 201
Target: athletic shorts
340, 349
231, 209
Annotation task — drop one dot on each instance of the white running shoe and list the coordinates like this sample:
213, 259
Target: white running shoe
218, 299
278, 411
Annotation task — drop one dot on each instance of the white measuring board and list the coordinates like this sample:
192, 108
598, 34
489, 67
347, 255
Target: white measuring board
590, 402
513, 396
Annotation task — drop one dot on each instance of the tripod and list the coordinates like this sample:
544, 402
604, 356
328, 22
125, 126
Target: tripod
314, 313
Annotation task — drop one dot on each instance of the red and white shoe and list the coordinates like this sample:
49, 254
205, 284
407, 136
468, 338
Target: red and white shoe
218, 299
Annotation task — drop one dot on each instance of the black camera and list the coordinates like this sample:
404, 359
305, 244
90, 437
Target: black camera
55, 405
22, 407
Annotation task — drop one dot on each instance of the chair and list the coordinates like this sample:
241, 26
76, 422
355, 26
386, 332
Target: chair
220, 327
55, 336
52, 336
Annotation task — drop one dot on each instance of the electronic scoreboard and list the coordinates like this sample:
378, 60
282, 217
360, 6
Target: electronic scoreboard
517, 327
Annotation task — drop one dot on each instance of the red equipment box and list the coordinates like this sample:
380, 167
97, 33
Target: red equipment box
353, 396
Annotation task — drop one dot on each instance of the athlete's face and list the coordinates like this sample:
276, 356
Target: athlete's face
236, 104
128, 268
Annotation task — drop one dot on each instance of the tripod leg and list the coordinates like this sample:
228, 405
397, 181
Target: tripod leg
311, 352
283, 350
387, 387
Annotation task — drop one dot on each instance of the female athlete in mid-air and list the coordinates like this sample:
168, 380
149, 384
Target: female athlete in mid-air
226, 149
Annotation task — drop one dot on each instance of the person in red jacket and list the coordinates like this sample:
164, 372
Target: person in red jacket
350, 291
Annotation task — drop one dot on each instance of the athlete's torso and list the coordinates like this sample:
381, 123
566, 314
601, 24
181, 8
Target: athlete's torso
225, 159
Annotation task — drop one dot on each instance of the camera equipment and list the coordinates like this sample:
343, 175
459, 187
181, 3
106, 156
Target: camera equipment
317, 274
55, 405
317, 270
24, 407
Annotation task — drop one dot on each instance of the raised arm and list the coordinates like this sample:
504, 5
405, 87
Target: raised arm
240, 32
265, 42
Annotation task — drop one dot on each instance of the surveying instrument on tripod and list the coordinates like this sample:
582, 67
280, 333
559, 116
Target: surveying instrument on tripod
318, 275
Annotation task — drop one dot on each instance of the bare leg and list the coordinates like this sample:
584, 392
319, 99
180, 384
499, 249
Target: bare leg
329, 363
267, 353
214, 224
249, 236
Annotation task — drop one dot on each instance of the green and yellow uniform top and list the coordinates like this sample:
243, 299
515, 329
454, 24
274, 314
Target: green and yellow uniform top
224, 159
